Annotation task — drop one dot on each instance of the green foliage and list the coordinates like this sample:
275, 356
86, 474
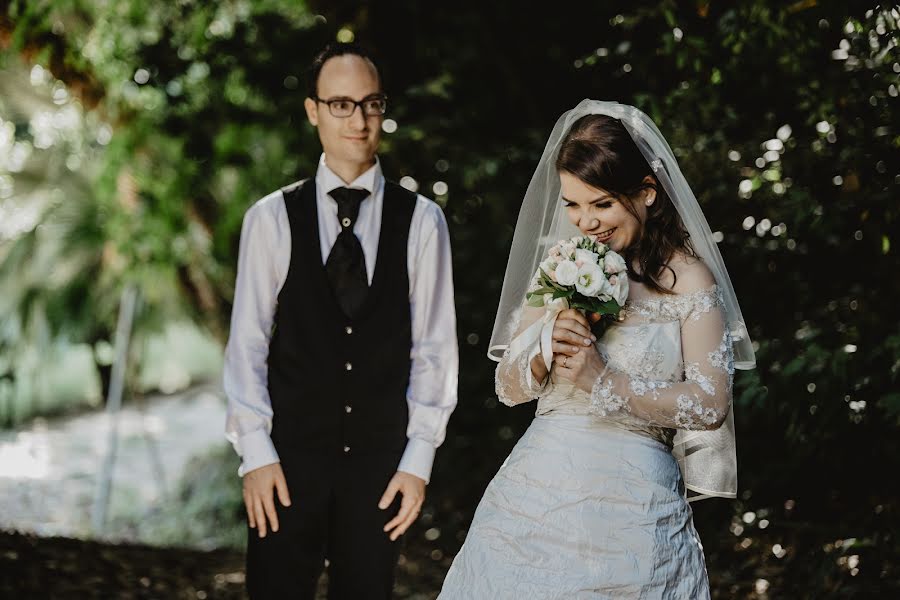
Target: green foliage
205, 511
783, 118
607, 311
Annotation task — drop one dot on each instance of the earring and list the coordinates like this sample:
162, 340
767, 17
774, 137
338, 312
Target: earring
649, 201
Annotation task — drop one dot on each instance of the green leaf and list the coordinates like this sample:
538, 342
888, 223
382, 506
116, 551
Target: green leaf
795, 366
535, 300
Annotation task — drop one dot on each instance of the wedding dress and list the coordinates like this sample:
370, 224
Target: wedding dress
592, 502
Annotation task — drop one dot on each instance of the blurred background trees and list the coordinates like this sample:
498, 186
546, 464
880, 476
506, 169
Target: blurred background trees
168, 119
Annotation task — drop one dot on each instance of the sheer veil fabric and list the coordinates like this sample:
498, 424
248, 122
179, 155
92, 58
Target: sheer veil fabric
707, 458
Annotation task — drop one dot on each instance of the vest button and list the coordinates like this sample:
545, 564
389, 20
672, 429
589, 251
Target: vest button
348, 409
348, 366
346, 449
348, 329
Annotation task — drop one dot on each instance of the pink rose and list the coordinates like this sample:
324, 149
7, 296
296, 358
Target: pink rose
613, 262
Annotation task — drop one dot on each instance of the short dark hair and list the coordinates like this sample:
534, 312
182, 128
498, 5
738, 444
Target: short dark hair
330, 51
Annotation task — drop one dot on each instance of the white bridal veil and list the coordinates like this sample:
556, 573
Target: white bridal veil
706, 457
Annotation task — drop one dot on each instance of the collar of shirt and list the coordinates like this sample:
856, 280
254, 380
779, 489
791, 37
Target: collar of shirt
327, 180
368, 224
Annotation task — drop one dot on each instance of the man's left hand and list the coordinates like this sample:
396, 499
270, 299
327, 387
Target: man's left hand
412, 489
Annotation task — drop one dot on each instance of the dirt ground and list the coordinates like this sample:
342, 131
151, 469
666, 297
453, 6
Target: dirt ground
61, 568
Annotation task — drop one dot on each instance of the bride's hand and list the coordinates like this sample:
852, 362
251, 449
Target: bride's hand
583, 369
571, 333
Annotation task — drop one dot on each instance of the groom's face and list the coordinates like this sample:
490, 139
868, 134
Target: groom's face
350, 140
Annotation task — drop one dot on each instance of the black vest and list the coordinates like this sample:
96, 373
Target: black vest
338, 386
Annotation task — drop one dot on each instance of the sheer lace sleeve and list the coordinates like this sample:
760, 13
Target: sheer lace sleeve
700, 402
514, 382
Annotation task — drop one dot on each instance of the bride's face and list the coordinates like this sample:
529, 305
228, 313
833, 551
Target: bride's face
600, 215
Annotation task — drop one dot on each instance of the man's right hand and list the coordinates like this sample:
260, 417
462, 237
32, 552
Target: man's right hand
259, 499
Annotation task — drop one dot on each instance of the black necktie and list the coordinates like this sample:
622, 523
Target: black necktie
346, 265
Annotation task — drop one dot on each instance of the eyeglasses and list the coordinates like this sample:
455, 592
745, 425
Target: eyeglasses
371, 106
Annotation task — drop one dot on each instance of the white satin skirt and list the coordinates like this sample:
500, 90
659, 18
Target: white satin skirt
581, 508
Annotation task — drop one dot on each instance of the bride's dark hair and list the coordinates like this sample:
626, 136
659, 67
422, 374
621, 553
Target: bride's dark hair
599, 151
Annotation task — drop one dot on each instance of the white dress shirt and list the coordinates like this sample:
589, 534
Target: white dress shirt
263, 261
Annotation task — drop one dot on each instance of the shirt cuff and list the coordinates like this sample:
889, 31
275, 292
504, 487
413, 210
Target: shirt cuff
417, 459
257, 450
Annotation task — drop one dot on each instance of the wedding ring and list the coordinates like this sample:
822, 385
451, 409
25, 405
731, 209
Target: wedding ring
565, 362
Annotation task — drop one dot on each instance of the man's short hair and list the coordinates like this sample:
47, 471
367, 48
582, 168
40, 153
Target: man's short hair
330, 51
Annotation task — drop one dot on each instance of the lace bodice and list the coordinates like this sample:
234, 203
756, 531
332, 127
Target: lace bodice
669, 366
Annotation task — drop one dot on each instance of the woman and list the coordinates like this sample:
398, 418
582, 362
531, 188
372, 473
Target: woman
593, 500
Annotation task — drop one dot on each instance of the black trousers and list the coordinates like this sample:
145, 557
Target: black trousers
333, 516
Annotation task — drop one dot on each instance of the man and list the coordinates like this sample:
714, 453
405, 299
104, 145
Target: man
341, 365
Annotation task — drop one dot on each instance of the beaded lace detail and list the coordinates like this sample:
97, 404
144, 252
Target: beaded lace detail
513, 382
633, 384
660, 309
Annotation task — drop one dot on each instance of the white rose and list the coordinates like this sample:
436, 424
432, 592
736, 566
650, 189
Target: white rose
566, 272
590, 281
619, 288
586, 256
613, 263
548, 265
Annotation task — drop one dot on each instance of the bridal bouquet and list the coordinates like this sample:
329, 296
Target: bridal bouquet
584, 274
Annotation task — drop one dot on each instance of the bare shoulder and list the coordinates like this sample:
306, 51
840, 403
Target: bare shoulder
691, 274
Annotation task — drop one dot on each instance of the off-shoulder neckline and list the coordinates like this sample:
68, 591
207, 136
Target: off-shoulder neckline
670, 304
664, 298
